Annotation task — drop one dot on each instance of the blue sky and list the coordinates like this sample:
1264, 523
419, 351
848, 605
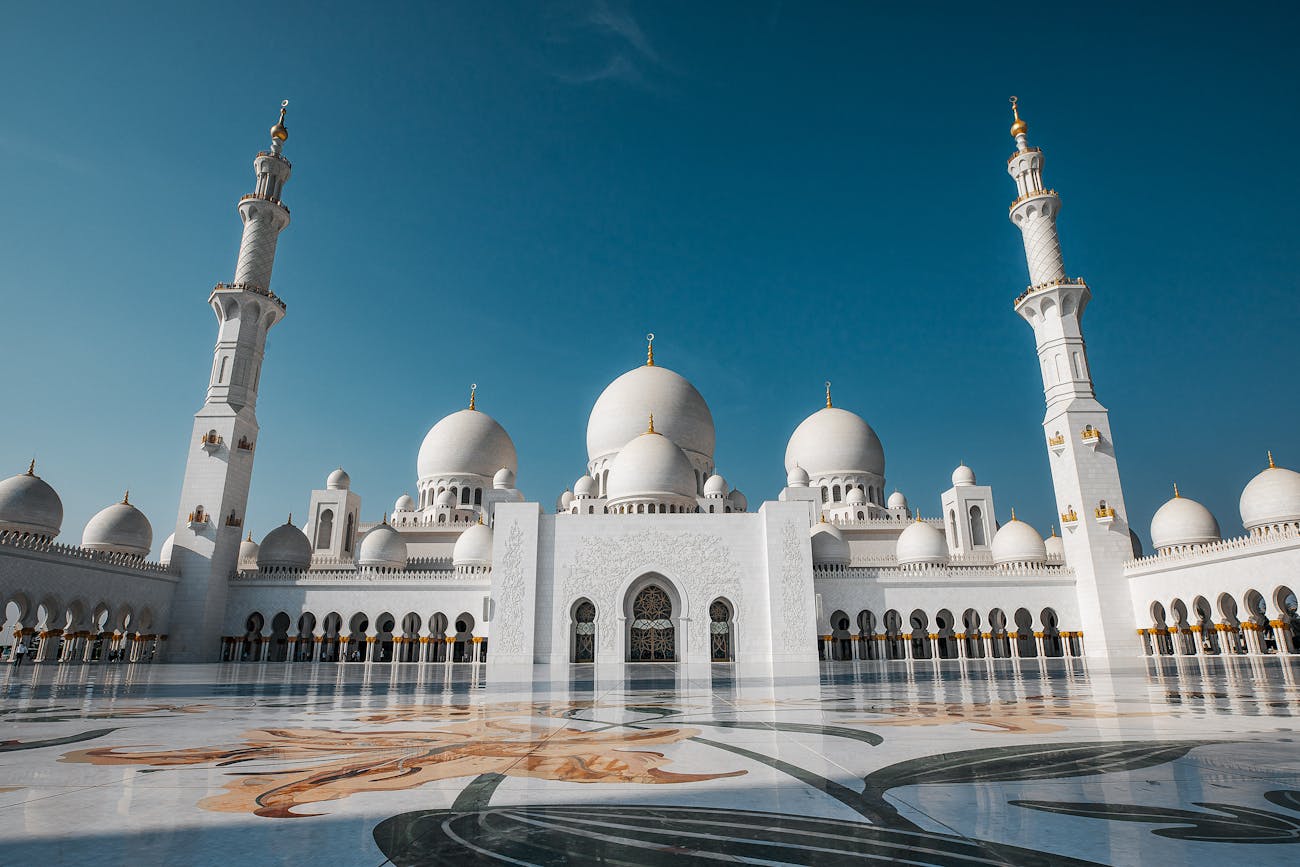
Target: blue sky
513, 195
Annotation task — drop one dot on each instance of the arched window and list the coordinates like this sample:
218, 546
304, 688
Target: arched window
584, 632
653, 636
464, 496
720, 649
977, 534
651, 510
835, 493
952, 525
348, 531
221, 377
324, 529
478, 496
826, 494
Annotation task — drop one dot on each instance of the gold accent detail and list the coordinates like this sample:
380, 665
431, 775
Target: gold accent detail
651, 428
126, 498
1013, 513
1058, 440
1019, 127
1271, 466
1069, 516
1105, 512
250, 535
279, 131
650, 349
829, 405
473, 389
1176, 494
1053, 530
1089, 433
31, 468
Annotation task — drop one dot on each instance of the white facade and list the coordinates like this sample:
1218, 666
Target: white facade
652, 555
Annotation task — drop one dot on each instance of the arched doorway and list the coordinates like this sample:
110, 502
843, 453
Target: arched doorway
1026, 646
867, 635
895, 647
463, 646
1052, 644
584, 632
280, 637
946, 643
720, 643
653, 637
1287, 605
920, 624
1205, 620
1231, 625
974, 641
999, 641
841, 640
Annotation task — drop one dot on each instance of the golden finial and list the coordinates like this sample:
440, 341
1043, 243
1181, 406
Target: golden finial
126, 498
385, 521
480, 517
291, 517
828, 394
1176, 494
31, 468
650, 350
1019, 127
473, 387
1013, 513
1270, 461
250, 535
1053, 530
279, 132
651, 428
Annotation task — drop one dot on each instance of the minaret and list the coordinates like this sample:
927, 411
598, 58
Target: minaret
219, 465
1081, 450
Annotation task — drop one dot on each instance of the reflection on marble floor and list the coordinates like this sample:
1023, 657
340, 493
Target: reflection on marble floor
990, 762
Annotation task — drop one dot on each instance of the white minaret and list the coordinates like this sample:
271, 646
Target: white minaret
1081, 451
219, 468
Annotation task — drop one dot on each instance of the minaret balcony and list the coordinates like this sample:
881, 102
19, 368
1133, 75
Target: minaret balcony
197, 519
1056, 442
211, 442
1069, 519
1090, 437
265, 198
244, 445
250, 287
1105, 515
233, 521
1051, 284
1033, 194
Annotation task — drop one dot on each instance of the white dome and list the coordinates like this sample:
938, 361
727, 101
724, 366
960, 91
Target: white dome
29, 505
446, 498
284, 547
247, 550
1183, 522
619, 415
962, 476
119, 529
474, 547
897, 501
566, 499
1055, 546
504, 479
832, 441
921, 543
1017, 542
651, 466
715, 486
338, 480
797, 478
828, 546
856, 497
585, 486
165, 552
466, 442
738, 501
404, 504
383, 547
1272, 497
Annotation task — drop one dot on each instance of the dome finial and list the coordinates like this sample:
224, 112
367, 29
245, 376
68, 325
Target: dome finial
1053, 530
651, 428
650, 350
480, 517
1176, 494
385, 521
1270, 462
280, 133
473, 389
290, 521
31, 468
250, 535
828, 394
126, 498
1013, 513
1018, 128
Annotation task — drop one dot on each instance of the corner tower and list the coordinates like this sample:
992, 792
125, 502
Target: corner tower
1081, 451
219, 467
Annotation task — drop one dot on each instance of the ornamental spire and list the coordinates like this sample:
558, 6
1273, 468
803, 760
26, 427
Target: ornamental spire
828, 394
651, 428
126, 499
1176, 494
650, 349
1270, 461
31, 468
473, 388
279, 132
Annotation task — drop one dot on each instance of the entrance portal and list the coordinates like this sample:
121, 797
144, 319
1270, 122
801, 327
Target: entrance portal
653, 637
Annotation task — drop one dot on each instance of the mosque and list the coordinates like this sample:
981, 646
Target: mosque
651, 555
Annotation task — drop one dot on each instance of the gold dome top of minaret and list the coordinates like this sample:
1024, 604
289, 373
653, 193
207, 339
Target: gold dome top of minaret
280, 132
1019, 127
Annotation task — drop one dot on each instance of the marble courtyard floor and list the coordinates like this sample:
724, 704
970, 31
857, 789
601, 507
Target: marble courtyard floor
1021, 762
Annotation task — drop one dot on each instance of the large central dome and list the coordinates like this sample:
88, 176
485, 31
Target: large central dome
466, 442
621, 410
832, 441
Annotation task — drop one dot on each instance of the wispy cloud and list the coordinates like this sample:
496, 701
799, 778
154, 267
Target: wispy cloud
602, 41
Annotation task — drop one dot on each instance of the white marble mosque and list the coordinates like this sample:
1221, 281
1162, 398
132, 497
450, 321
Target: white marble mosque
652, 555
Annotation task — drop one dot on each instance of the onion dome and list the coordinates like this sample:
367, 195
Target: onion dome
715, 486
585, 487
651, 466
285, 547
165, 552
856, 497
382, 547
797, 477
504, 479
1017, 542
29, 505
835, 441
466, 442
681, 414
1054, 545
248, 550
921, 544
828, 545
738, 501
565, 501
445, 499
404, 504
896, 501
1181, 521
338, 480
119, 529
1019, 127
474, 547
963, 476
1272, 497
280, 132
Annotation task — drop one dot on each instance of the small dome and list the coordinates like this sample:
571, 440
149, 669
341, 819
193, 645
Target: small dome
832, 441
715, 486
797, 477
165, 552
248, 550
338, 480
828, 546
504, 479
921, 543
619, 414
1182, 521
651, 466
585, 487
404, 504
856, 497
285, 547
566, 499
1017, 542
446, 498
474, 547
119, 529
1272, 497
962, 476
1055, 546
897, 501
29, 505
382, 547
738, 501
466, 442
